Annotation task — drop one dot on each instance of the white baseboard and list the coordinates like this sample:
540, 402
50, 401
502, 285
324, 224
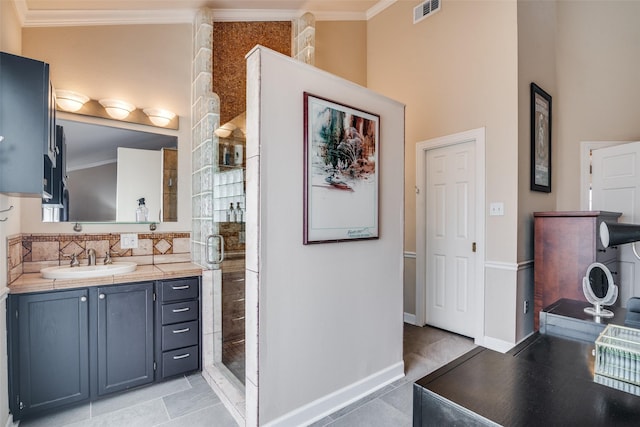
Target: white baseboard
410, 318
326, 405
496, 344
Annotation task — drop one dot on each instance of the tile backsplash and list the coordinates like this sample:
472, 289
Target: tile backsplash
29, 253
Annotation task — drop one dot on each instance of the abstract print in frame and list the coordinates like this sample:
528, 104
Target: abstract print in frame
540, 139
341, 172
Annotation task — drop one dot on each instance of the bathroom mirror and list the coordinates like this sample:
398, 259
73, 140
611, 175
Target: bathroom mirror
110, 168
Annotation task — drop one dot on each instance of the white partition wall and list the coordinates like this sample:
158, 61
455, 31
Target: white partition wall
324, 321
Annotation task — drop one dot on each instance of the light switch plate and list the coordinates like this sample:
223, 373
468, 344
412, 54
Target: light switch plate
496, 209
129, 241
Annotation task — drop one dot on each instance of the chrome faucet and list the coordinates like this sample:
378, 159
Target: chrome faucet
91, 255
74, 260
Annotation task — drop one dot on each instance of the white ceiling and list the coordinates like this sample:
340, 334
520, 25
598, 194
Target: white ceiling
37, 13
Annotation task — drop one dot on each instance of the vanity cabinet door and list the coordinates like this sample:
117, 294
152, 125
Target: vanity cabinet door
48, 350
125, 336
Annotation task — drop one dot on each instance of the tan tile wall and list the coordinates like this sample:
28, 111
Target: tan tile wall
14, 257
29, 253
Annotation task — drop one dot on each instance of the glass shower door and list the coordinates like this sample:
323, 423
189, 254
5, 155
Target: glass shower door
229, 216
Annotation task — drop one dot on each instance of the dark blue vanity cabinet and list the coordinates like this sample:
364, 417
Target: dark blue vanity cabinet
48, 350
125, 336
73, 346
56, 174
179, 326
27, 125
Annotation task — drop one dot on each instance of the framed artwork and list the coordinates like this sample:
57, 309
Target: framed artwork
341, 172
540, 139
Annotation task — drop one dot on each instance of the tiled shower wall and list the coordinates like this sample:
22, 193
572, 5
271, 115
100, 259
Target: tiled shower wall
29, 253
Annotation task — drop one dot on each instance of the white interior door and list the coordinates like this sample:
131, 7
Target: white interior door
616, 188
450, 237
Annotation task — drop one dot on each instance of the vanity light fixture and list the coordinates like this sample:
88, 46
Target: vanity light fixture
69, 100
225, 130
158, 116
116, 108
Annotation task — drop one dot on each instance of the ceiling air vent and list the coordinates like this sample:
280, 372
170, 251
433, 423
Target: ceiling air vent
425, 9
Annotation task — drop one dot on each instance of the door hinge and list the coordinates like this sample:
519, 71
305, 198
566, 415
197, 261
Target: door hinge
473, 247
155, 366
154, 296
20, 404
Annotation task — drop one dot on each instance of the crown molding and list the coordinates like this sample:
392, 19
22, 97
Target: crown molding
378, 7
67, 18
70, 18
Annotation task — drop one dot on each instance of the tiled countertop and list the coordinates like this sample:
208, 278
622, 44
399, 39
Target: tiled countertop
33, 282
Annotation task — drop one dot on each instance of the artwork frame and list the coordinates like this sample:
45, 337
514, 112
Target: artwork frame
341, 172
540, 139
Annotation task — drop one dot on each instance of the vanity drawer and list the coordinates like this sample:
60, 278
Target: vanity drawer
179, 335
179, 361
179, 312
175, 290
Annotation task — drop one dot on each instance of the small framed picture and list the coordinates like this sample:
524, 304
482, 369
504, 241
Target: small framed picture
341, 172
540, 139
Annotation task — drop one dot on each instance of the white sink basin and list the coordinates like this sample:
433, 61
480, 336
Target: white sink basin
88, 271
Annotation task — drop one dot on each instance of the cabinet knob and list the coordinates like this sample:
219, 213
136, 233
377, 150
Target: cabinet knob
83, 299
101, 296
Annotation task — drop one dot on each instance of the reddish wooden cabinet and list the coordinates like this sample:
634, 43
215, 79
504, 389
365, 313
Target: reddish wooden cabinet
565, 244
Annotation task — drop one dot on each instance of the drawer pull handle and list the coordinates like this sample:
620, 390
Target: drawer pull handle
238, 280
238, 300
181, 331
237, 318
180, 310
182, 356
237, 342
180, 288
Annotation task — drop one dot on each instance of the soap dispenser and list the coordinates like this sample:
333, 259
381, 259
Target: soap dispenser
142, 212
231, 213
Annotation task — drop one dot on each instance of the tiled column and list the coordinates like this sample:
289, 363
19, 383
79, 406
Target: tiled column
304, 38
206, 117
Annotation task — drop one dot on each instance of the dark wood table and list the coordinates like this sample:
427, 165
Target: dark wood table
566, 318
544, 381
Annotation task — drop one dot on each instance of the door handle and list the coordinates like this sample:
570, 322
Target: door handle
473, 247
209, 244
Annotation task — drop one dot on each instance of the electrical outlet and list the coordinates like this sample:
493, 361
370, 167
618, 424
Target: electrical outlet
129, 241
526, 306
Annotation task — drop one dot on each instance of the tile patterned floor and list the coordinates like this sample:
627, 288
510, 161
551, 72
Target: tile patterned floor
425, 350
185, 401
188, 401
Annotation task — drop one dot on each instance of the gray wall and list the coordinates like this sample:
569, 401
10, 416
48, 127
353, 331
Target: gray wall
96, 188
329, 315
